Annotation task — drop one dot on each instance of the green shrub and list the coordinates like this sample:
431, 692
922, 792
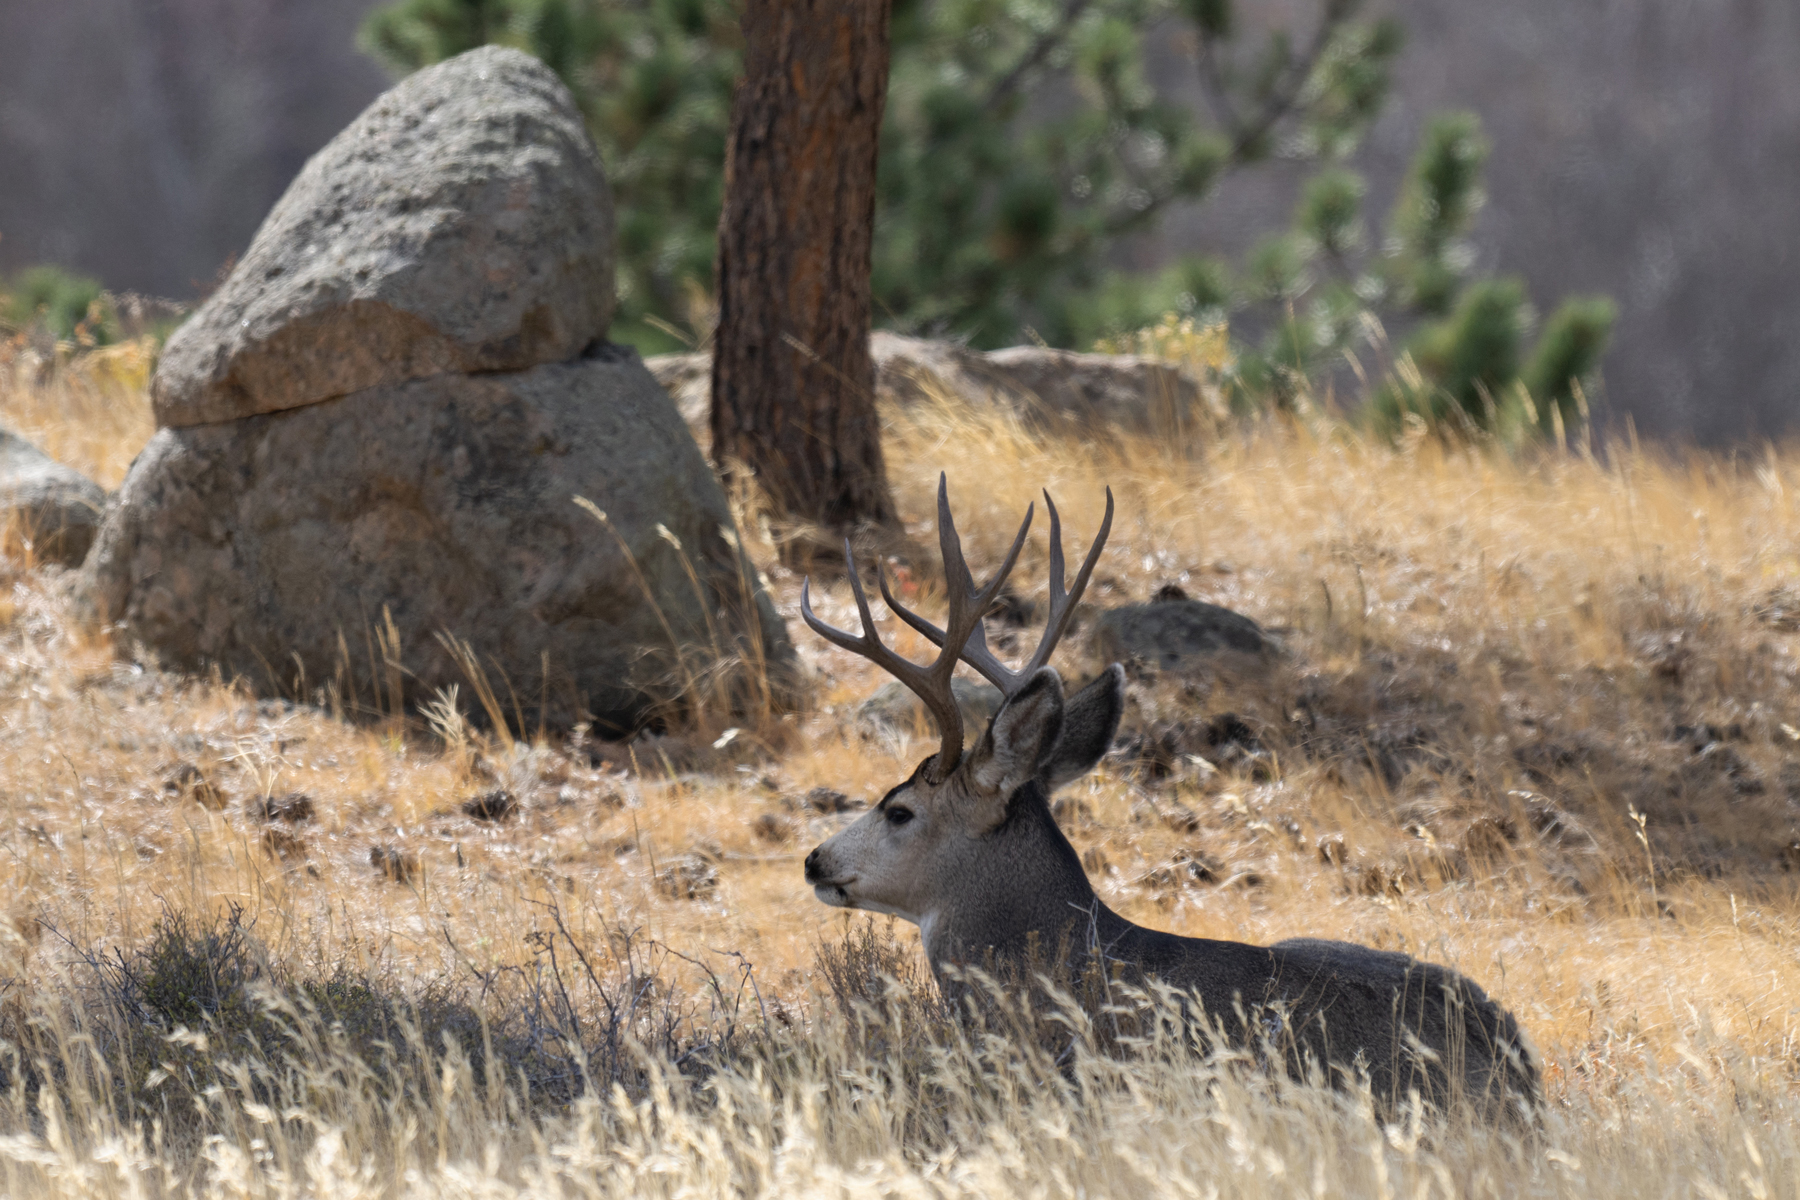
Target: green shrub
995, 222
1566, 357
69, 306
1323, 292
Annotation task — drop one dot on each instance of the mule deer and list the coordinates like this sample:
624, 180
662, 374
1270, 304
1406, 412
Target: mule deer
967, 849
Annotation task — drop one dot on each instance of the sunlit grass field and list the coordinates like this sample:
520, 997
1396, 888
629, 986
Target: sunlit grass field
1535, 717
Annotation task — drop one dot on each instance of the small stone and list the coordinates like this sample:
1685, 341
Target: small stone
690, 877
183, 781
1072, 812
294, 808
773, 827
56, 508
829, 800
1377, 880
496, 805
1487, 838
396, 864
1180, 818
279, 843
1184, 867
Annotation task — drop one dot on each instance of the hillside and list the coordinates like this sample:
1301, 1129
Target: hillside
1535, 717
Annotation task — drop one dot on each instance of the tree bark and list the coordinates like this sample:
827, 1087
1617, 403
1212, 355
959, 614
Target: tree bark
793, 386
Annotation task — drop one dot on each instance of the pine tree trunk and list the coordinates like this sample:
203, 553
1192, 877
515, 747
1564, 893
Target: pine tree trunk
793, 397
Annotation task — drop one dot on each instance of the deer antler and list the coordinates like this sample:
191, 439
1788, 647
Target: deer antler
967, 606
975, 650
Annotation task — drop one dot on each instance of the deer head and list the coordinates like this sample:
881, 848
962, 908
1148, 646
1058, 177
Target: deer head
963, 828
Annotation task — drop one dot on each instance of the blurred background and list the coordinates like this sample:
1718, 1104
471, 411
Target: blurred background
1644, 153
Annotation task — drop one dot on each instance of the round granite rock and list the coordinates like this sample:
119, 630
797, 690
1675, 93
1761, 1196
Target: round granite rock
461, 223
313, 545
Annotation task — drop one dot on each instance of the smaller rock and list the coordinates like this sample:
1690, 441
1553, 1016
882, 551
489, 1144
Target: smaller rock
496, 805
1072, 812
294, 808
1183, 867
1551, 822
894, 707
826, 800
279, 843
1487, 838
1779, 609
56, 508
1379, 880
773, 827
1169, 634
690, 877
1180, 818
1700, 737
1194, 750
397, 865
183, 781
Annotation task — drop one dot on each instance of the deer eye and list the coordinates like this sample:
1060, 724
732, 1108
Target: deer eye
897, 815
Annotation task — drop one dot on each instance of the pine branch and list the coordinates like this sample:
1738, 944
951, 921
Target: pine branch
1283, 98
1040, 50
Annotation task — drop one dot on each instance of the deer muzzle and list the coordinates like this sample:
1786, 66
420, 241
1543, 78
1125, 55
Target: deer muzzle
825, 884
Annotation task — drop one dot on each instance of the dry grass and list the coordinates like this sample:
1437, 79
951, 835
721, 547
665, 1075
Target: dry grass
88, 411
1495, 667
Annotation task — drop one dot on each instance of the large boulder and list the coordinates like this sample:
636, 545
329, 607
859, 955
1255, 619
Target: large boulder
461, 223
375, 434
1090, 393
56, 508
297, 547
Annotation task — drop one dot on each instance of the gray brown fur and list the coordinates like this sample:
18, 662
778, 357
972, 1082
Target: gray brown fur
981, 866
967, 850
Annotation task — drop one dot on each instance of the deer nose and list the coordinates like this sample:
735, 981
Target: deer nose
812, 866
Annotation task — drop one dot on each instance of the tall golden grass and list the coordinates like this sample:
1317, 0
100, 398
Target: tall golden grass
1535, 718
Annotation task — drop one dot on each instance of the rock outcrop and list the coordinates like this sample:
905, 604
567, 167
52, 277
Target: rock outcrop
375, 435
56, 508
461, 223
1093, 392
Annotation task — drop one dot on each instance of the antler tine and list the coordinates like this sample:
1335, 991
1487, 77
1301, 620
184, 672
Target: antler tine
956, 571
1062, 608
950, 546
1062, 603
931, 684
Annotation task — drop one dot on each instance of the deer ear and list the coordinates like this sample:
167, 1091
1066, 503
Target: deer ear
1007, 757
1090, 720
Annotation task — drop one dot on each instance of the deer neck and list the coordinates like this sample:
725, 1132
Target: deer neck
1016, 891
